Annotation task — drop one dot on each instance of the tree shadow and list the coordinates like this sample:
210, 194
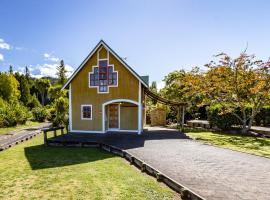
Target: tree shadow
42, 157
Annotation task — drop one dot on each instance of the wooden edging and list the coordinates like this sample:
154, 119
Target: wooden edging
18, 140
186, 193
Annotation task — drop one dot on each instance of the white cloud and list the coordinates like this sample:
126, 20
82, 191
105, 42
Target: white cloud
46, 55
4, 45
50, 57
1, 57
160, 85
48, 70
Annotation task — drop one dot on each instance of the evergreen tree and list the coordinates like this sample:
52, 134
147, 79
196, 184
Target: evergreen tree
10, 69
25, 90
43, 86
27, 73
153, 88
61, 73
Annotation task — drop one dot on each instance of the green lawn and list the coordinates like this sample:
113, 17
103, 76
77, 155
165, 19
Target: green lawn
253, 145
33, 171
8, 129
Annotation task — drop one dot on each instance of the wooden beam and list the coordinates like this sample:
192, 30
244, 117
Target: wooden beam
183, 118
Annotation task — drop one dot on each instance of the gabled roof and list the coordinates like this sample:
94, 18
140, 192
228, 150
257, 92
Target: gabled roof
112, 52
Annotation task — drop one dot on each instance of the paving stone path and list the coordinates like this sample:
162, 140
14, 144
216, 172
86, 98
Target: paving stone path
212, 172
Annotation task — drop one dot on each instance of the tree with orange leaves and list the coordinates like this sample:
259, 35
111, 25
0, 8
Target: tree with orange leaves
242, 83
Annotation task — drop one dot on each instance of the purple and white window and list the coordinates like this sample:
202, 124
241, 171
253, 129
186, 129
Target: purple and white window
103, 76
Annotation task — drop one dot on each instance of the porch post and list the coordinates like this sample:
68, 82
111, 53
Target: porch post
140, 109
70, 108
183, 118
103, 118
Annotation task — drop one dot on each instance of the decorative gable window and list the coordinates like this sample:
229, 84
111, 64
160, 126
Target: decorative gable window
86, 112
103, 76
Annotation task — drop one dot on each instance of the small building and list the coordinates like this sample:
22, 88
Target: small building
158, 117
106, 94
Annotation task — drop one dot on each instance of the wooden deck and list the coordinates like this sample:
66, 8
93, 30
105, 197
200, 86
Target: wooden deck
123, 140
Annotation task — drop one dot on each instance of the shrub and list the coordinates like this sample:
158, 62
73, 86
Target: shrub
263, 117
61, 108
40, 114
12, 113
52, 112
33, 102
222, 120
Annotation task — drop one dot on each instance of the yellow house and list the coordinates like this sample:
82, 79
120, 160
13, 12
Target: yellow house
106, 94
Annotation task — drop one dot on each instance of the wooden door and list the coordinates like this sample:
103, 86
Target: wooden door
113, 116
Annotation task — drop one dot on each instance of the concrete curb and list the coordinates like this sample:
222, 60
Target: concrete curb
185, 192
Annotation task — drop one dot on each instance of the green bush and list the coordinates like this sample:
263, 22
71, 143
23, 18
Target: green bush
61, 109
52, 112
33, 102
223, 121
40, 114
12, 113
263, 117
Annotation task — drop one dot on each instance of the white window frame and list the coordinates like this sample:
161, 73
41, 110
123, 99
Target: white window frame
92, 72
83, 105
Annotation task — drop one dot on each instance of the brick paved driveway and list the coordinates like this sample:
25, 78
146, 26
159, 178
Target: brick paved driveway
212, 172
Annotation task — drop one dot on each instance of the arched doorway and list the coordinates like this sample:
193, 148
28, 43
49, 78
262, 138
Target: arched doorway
123, 115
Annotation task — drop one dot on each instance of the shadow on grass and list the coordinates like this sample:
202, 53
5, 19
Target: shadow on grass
247, 143
42, 157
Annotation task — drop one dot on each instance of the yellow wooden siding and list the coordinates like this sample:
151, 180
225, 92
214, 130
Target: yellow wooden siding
128, 118
103, 53
82, 94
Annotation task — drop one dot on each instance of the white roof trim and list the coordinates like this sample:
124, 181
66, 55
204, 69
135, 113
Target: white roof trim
89, 56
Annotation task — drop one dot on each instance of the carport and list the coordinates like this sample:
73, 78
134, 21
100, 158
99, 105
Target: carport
181, 106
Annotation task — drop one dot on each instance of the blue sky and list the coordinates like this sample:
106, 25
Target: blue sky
156, 37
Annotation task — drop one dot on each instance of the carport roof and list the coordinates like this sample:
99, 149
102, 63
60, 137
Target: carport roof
160, 99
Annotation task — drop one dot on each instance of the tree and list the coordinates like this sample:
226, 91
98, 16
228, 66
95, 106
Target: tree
61, 109
61, 73
153, 88
55, 92
184, 86
9, 87
27, 73
43, 85
25, 90
241, 83
10, 69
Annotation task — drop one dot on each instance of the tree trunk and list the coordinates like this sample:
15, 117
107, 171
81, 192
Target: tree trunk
244, 128
42, 99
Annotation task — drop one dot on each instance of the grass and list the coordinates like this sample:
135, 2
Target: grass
32, 171
248, 144
26, 125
